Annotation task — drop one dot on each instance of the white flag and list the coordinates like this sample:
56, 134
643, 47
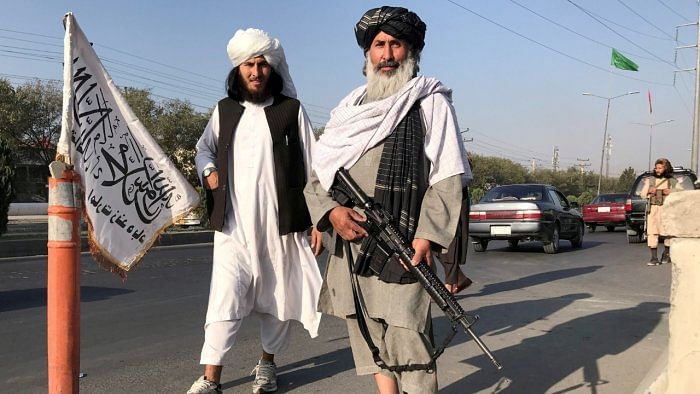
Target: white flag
132, 191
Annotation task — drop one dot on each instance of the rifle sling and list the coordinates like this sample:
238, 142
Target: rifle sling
361, 312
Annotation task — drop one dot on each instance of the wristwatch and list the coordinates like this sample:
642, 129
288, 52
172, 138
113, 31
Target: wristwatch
208, 171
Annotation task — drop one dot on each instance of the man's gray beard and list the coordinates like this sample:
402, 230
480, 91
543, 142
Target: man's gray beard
381, 85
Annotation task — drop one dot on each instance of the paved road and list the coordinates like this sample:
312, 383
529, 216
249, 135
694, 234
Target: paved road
592, 320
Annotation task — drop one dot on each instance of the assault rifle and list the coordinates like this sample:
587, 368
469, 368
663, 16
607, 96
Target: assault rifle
379, 225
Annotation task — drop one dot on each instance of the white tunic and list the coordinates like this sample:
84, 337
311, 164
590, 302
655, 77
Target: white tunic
256, 269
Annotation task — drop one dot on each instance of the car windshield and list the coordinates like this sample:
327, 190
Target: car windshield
514, 193
608, 198
684, 183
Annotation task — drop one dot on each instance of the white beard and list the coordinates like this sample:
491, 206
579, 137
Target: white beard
381, 85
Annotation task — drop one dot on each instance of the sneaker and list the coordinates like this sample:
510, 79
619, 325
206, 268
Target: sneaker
665, 258
653, 262
204, 386
265, 377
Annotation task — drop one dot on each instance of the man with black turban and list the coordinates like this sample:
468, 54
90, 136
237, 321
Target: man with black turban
398, 137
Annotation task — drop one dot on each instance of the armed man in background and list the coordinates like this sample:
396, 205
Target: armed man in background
656, 189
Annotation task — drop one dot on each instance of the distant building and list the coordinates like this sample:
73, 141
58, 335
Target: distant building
31, 178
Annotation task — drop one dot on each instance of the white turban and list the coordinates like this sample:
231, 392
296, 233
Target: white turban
249, 43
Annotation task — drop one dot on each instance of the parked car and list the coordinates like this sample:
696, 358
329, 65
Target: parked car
605, 210
193, 218
525, 212
636, 204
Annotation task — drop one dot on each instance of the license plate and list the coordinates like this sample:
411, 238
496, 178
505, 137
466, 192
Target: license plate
603, 209
500, 230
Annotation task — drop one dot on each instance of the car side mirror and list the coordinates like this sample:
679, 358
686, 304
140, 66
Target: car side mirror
574, 204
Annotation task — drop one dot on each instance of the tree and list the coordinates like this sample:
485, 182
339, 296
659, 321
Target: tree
626, 180
476, 193
174, 124
318, 131
8, 109
177, 130
144, 107
37, 125
6, 190
489, 171
585, 198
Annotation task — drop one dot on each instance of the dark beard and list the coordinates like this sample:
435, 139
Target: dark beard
252, 97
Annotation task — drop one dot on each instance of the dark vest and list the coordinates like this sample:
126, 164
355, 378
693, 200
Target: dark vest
290, 176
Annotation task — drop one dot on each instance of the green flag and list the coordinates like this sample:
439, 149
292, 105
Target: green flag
620, 61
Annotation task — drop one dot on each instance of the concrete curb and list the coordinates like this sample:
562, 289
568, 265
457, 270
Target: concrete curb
37, 246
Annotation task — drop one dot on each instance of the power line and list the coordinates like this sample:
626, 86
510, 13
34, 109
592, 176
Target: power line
31, 41
30, 58
672, 10
119, 51
511, 152
507, 143
32, 49
644, 19
641, 33
156, 62
494, 152
553, 49
32, 34
579, 34
118, 62
618, 34
29, 78
35, 55
686, 106
182, 90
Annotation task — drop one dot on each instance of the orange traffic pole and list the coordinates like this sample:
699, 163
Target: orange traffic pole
63, 287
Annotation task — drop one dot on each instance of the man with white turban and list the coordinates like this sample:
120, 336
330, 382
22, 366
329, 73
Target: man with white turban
253, 160
398, 137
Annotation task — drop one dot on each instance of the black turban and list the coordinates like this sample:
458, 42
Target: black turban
397, 22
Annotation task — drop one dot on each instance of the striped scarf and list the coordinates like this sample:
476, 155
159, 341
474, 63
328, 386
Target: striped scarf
399, 189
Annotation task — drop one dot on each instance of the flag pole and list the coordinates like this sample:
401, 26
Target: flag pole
63, 283
63, 268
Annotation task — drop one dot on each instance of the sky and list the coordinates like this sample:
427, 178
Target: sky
517, 68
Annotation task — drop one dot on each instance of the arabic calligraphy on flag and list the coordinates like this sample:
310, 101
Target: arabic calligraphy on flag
132, 190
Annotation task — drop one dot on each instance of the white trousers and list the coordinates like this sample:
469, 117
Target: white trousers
220, 336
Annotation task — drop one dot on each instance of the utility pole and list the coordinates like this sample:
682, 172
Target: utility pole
582, 164
696, 122
651, 130
695, 141
605, 129
555, 159
607, 156
465, 139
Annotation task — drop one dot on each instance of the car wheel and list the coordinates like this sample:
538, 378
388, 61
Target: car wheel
591, 228
635, 239
610, 228
552, 246
480, 245
513, 243
577, 241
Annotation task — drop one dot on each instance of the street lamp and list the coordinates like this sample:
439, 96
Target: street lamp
651, 128
605, 130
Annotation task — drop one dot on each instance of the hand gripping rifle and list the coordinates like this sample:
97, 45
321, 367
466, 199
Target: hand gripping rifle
379, 225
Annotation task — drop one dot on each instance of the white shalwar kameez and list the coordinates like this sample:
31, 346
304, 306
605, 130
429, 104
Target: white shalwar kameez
255, 268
